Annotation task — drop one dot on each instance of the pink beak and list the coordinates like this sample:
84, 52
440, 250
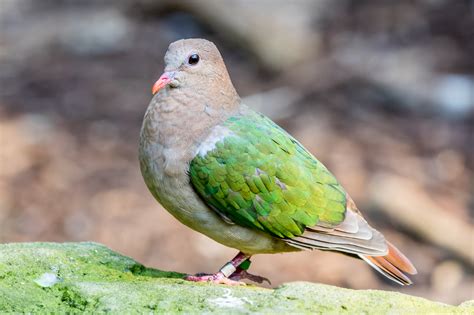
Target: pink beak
164, 80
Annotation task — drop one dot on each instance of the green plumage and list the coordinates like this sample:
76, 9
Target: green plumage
261, 177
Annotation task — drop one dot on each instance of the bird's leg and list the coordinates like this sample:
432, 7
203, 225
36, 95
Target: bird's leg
222, 276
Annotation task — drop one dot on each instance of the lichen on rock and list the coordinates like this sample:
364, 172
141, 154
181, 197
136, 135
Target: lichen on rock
89, 277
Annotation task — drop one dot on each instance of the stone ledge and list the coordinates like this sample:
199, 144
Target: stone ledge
89, 277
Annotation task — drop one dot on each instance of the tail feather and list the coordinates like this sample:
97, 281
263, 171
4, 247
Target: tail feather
393, 266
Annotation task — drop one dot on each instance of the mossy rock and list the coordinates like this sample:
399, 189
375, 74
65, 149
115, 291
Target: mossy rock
89, 277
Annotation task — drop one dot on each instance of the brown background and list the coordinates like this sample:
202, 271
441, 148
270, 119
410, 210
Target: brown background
380, 91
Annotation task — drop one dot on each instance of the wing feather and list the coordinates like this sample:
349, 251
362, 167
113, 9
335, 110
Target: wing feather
353, 235
253, 173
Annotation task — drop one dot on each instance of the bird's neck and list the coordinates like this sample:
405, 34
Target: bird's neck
180, 119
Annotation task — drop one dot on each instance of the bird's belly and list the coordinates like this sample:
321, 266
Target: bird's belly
176, 195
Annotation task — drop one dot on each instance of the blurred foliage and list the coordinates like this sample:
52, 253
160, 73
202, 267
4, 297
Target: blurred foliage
381, 91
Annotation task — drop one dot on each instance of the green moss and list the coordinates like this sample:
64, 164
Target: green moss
90, 278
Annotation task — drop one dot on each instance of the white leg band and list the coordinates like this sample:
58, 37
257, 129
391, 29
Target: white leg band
228, 269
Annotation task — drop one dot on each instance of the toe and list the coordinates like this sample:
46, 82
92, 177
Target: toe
217, 278
245, 275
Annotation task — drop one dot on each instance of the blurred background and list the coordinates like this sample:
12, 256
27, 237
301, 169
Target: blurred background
382, 92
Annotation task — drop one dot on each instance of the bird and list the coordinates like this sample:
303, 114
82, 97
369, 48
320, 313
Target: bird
234, 175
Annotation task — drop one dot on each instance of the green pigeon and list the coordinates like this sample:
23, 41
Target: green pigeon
235, 176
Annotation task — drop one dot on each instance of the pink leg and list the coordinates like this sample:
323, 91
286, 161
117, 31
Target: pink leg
222, 276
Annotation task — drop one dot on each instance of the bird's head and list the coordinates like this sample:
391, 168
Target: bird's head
194, 64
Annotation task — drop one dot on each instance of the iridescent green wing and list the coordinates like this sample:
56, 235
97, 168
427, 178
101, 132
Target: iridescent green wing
255, 174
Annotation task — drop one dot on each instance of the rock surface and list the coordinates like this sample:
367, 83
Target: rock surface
78, 277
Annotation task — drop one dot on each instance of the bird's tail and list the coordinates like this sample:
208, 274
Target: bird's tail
393, 266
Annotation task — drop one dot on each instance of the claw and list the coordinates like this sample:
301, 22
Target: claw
244, 274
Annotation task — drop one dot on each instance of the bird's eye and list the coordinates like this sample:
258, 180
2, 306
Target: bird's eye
193, 59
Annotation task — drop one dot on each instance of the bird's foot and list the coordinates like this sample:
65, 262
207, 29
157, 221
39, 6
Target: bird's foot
241, 274
217, 278
231, 273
